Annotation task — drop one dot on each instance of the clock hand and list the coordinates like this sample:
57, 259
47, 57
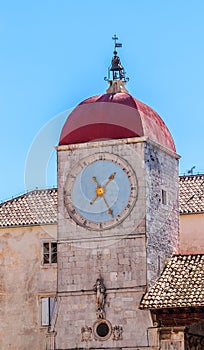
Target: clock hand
99, 193
96, 182
109, 209
111, 177
100, 190
94, 199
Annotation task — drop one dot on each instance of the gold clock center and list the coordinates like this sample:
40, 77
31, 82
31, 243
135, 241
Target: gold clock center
100, 191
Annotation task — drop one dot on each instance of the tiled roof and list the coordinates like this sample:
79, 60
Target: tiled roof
33, 208
180, 285
191, 194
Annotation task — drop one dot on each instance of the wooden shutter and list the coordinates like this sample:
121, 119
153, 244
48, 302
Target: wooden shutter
45, 311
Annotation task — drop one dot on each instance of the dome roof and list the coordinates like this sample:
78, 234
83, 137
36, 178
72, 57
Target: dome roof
114, 116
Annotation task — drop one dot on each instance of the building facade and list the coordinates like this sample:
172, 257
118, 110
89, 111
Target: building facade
28, 267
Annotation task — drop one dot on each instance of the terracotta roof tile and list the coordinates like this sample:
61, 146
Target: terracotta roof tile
191, 194
34, 208
180, 285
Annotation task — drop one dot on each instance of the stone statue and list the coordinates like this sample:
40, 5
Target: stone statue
100, 290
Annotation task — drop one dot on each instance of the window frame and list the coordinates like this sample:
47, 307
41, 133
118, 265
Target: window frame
47, 309
164, 197
49, 257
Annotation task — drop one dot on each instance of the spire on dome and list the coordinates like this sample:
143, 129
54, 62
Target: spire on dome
116, 73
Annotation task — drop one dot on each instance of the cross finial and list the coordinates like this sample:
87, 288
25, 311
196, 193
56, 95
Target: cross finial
115, 38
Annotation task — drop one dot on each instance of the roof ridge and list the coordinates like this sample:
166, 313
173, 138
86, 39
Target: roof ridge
191, 175
35, 207
27, 194
189, 254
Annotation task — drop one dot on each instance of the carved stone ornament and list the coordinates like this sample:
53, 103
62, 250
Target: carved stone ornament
86, 333
102, 330
117, 332
100, 291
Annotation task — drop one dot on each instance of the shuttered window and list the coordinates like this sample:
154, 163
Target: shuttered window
47, 310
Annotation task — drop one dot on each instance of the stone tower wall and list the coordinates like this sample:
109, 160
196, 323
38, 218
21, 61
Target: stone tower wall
162, 214
124, 256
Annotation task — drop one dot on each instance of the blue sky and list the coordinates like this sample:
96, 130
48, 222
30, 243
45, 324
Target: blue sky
56, 53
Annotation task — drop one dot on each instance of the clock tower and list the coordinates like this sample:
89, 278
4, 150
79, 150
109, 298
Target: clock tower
117, 218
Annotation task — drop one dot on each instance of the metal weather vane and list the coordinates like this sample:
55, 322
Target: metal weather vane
116, 70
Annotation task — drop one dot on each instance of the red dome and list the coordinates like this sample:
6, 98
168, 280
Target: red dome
114, 116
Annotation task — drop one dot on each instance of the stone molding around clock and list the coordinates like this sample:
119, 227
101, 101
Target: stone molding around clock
73, 190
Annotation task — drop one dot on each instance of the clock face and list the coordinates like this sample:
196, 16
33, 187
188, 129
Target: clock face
100, 191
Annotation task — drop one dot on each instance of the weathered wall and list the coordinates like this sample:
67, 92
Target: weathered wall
118, 254
172, 338
162, 220
123, 268
121, 310
191, 234
22, 281
122, 265
195, 337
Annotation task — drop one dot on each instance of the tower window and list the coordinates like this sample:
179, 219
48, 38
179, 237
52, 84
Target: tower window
49, 253
47, 310
164, 201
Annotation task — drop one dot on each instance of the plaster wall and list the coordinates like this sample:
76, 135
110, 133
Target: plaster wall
191, 238
23, 280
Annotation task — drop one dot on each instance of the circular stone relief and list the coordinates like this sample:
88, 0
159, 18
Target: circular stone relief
102, 329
